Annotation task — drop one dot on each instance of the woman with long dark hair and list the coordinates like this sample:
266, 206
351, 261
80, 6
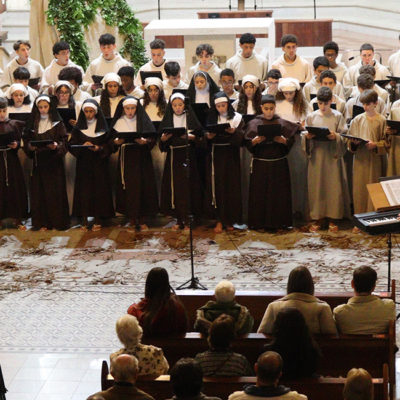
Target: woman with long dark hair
160, 312
293, 341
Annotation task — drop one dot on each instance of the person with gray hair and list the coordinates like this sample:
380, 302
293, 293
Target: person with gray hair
152, 362
269, 370
224, 303
359, 385
124, 369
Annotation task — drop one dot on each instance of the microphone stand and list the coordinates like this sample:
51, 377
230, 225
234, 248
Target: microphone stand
193, 282
3, 389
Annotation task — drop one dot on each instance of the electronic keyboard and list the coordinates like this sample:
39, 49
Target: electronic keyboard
377, 223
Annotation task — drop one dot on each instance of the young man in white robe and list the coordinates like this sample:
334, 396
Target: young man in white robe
174, 79
108, 61
246, 61
331, 52
22, 49
157, 62
204, 53
289, 63
328, 194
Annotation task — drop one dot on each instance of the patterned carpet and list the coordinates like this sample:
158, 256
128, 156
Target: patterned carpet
63, 291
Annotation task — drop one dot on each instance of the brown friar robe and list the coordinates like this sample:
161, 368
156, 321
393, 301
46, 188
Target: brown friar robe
270, 203
13, 196
49, 202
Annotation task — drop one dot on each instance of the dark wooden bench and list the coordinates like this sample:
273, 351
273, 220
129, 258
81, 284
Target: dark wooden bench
340, 353
257, 301
315, 388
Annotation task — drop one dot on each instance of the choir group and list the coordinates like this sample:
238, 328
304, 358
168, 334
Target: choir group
245, 143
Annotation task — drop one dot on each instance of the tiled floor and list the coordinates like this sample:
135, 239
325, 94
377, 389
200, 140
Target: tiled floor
51, 376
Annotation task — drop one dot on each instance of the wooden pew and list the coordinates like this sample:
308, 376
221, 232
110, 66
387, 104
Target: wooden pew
257, 301
340, 353
322, 388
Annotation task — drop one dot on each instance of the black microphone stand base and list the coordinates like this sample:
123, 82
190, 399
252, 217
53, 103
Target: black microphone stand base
192, 283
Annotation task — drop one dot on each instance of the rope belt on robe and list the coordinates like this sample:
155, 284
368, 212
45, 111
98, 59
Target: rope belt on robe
172, 148
214, 200
4, 151
122, 163
264, 159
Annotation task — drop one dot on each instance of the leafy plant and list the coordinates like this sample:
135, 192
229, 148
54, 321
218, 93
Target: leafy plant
72, 17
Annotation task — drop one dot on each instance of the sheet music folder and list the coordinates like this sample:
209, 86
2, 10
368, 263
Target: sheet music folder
269, 131
379, 199
218, 129
320, 132
176, 132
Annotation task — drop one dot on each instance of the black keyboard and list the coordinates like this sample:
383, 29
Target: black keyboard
376, 223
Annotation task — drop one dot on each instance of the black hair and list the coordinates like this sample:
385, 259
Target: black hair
186, 378
247, 38
364, 279
327, 74
212, 117
59, 46
105, 100
274, 74
172, 68
268, 98
300, 281
204, 47
127, 71
324, 94
21, 73
221, 332
161, 101
288, 39
331, 46
243, 101
106, 38
157, 44
293, 340
367, 69
366, 46
227, 72
18, 44
71, 74
321, 60
3, 103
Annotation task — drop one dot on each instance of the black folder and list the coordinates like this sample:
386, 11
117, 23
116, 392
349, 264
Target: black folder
201, 111
150, 74
33, 82
363, 141
130, 137
394, 78
315, 106
320, 132
312, 96
395, 125
67, 114
269, 131
248, 117
218, 129
183, 91
19, 116
382, 82
357, 110
176, 132
41, 143
81, 146
97, 79
156, 124
5, 140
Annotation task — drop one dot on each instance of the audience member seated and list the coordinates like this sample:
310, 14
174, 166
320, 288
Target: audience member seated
300, 295
186, 378
219, 360
124, 369
268, 370
160, 313
225, 304
293, 341
364, 313
359, 385
152, 362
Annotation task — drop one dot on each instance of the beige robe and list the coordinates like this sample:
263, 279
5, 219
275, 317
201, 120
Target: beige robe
369, 165
328, 194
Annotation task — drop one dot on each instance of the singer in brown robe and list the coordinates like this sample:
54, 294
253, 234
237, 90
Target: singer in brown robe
270, 204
